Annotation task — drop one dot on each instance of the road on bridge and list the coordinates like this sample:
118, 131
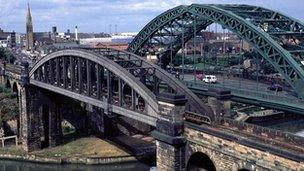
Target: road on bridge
242, 84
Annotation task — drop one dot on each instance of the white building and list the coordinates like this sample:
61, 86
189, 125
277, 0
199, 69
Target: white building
4, 43
132, 34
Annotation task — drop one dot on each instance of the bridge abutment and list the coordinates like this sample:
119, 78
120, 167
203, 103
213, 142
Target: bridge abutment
170, 143
29, 129
40, 121
40, 124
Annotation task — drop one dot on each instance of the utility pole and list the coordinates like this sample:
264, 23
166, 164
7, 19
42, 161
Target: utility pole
110, 29
116, 29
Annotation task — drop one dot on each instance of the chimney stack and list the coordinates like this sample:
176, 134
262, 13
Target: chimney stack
76, 33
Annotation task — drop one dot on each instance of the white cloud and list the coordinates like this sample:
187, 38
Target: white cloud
97, 15
7, 9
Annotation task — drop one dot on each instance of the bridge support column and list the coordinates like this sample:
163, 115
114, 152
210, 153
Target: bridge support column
29, 120
170, 143
110, 121
29, 113
55, 125
97, 121
220, 101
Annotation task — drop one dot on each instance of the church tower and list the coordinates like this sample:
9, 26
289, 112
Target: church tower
29, 30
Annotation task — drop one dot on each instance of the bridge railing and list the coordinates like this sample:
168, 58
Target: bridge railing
268, 135
2, 139
247, 93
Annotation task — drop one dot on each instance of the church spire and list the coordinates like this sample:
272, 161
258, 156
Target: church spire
29, 16
29, 30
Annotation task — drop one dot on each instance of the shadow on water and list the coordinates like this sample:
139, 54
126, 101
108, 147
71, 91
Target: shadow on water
6, 165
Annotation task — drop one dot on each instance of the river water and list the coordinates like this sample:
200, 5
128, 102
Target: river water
6, 165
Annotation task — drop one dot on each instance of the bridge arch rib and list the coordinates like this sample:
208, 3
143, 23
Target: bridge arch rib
59, 72
150, 73
174, 27
54, 72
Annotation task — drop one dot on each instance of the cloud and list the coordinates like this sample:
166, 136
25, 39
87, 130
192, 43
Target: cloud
97, 15
7, 9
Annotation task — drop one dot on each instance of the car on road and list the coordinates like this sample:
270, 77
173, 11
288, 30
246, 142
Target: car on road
200, 76
175, 73
209, 79
275, 87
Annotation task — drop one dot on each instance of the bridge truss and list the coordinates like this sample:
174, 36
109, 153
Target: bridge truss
116, 81
279, 39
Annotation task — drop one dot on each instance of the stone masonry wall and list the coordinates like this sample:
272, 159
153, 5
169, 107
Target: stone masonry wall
168, 134
220, 107
169, 158
227, 155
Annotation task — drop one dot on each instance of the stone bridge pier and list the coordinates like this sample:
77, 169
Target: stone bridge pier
170, 142
183, 145
42, 112
40, 120
42, 115
39, 117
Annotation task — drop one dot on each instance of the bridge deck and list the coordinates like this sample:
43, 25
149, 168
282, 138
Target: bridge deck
265, 99
149, 119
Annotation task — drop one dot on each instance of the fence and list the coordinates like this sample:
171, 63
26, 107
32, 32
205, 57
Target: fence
7, 138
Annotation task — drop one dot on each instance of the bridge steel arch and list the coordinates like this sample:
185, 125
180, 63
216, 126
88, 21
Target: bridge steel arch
43, 75
265, 30
143, 77
151, 74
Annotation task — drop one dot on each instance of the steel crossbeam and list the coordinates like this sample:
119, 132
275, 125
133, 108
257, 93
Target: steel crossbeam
245, 21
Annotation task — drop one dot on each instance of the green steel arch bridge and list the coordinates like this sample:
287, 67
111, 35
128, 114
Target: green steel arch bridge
124, 83
277, 38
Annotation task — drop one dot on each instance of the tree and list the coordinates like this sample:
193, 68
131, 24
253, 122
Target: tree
6, 55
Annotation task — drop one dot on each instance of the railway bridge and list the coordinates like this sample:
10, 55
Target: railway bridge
189, 134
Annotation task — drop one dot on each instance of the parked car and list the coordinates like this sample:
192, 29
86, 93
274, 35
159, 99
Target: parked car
210, 79
275, 87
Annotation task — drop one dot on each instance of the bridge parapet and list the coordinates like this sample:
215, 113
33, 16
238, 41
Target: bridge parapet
231, 150
9, 71
263, 98
275, 137
269, 96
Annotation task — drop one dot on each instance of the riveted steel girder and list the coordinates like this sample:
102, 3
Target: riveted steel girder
148, 69
56, 71
255, 25
85, 70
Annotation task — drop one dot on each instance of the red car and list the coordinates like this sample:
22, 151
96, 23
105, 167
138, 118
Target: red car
200, 76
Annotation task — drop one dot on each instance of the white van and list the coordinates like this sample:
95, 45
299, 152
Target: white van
209, 79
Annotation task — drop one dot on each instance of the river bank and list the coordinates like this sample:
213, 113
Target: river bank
10, 165
90, 151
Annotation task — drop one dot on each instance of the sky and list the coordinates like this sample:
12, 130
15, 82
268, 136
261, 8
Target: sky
97, 15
